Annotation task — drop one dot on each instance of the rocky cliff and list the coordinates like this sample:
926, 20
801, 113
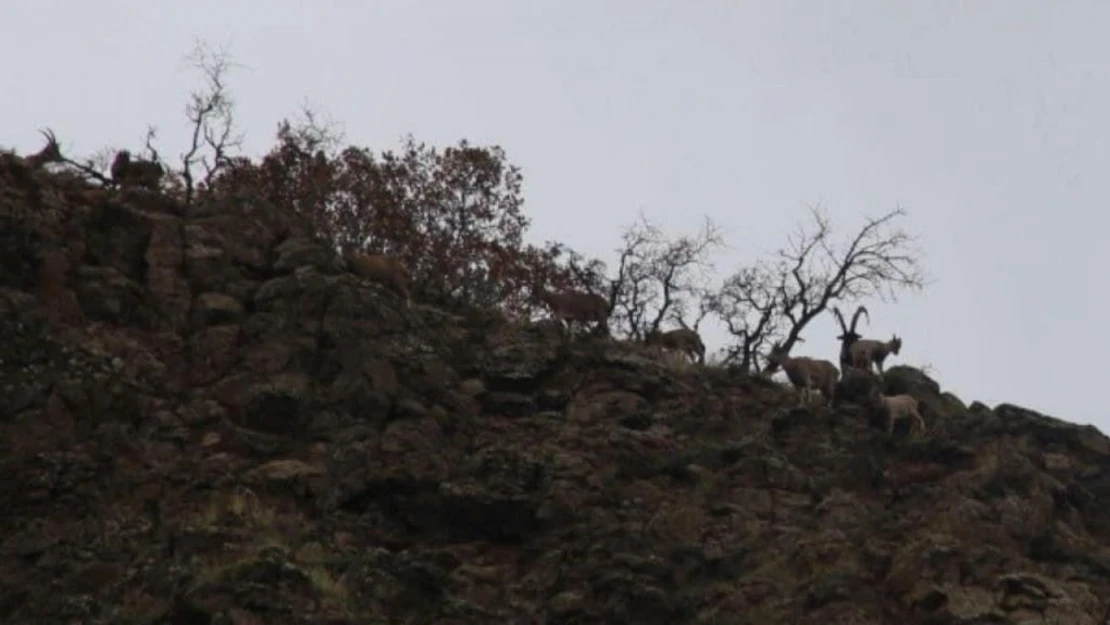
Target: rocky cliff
205, 419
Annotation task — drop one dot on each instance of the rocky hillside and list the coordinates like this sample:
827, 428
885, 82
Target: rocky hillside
205, 419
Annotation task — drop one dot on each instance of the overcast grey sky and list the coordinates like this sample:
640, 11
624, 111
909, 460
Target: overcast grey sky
988, 121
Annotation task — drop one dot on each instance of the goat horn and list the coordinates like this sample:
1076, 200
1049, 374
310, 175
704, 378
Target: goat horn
840, 318
855, 317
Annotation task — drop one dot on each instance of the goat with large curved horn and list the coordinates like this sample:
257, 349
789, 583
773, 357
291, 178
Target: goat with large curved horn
52, 153
848, 335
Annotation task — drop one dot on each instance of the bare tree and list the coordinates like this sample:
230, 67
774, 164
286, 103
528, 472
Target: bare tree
314, 131
676, 274
211, 113
748, 304
656, 279
631, 289
775, 302
93, 166
152, 152
703, 296
100, 160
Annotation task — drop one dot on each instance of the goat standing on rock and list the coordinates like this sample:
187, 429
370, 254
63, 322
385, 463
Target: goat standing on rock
568, 306
894, 408
51, 153
806, 373
864, 352
139, 172
684, 340
23, 166
379, 268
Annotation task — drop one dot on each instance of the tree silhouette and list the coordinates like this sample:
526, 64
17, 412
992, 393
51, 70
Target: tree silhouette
454, 216
775, 301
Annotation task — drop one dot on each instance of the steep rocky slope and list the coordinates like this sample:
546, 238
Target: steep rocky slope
205, 419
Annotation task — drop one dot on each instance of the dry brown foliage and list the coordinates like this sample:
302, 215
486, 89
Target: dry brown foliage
453, 216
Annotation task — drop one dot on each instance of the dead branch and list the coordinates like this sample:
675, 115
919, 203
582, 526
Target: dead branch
151, 135
778, 301
656, 276
210, 112
747, 303
315, 132
91, 168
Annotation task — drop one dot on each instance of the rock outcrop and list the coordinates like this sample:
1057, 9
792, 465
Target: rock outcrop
205, 419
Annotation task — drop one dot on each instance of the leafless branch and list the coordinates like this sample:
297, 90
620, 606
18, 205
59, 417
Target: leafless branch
210, 111
151, 135
94, 166
657, 276
748, 305
776, 302
316, 131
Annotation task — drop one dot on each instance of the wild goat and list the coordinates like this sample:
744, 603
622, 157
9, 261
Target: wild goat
848, 336
380, 268
51, 153
684, 340
894, 408
139, 172
864, 352
806, 374
22, 166
569, 306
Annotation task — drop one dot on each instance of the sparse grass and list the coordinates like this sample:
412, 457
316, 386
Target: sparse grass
676, 361
272, 536
220, 569
708, 484
673, 360
241, 507
137, 607
328, 587
773, 569
926, 368
678, 522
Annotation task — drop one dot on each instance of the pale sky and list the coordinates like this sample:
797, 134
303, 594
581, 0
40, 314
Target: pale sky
987, 121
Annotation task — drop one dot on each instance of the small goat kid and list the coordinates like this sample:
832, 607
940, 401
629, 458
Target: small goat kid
806, 374
894, 408
864, 352
380, 268
684, 340
569, 306
138, 172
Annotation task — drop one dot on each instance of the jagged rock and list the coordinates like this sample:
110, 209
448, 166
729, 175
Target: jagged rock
567, 603
213, 350
276, 406
165, 273
216, 308
240, 431
472, 387
284, 470
517, 366
107, 294
117, 237
296, 252
508, 404
1049, 430
854, 386
902, 379
411, 409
